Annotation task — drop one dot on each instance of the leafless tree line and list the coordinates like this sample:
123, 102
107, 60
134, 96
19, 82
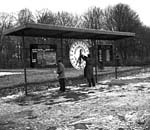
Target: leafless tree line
114, 18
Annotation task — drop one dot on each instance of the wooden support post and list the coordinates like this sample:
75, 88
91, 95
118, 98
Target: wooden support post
115, 61
116, 76
24, 66
62, 49
95, 44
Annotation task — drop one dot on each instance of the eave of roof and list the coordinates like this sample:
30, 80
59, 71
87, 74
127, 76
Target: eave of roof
52, 31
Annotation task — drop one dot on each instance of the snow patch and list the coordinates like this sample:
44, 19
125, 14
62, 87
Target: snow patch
9, 73
141, 76
61, 99
13, 96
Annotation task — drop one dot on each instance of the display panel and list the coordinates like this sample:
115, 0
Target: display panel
43, 55
105, 53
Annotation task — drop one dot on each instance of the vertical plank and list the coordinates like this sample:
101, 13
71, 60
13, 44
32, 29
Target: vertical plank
24, 66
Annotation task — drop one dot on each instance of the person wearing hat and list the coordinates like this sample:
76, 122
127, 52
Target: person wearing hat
61, 74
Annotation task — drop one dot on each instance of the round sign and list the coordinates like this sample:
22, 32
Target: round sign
74, 54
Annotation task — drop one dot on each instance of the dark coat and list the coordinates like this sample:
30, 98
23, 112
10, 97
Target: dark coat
60, 70
88, 70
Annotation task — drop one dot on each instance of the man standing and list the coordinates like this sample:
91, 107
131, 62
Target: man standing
61, 74
88, 70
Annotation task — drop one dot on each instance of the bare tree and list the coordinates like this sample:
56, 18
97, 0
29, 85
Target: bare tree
94, 18
6, 22
110, 22
67, 19
122, 18
45, 16
25, 16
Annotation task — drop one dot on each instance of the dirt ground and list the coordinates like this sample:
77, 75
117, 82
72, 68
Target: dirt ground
114, 104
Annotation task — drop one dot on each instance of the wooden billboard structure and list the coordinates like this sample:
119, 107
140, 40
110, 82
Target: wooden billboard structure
62, 32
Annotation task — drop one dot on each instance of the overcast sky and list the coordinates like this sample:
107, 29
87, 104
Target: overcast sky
142, 7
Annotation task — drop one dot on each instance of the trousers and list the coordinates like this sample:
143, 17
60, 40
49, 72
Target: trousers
91, 81
62, 84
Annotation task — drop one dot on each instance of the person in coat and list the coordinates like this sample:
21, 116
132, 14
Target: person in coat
61, 74
88, 70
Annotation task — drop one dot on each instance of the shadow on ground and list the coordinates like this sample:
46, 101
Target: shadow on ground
50, 97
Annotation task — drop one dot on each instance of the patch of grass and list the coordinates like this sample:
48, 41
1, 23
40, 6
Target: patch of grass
45, 75
33, 76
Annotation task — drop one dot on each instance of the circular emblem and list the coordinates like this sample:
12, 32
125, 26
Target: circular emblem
74, 54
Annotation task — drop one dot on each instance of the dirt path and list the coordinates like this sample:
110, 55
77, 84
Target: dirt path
121, 104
